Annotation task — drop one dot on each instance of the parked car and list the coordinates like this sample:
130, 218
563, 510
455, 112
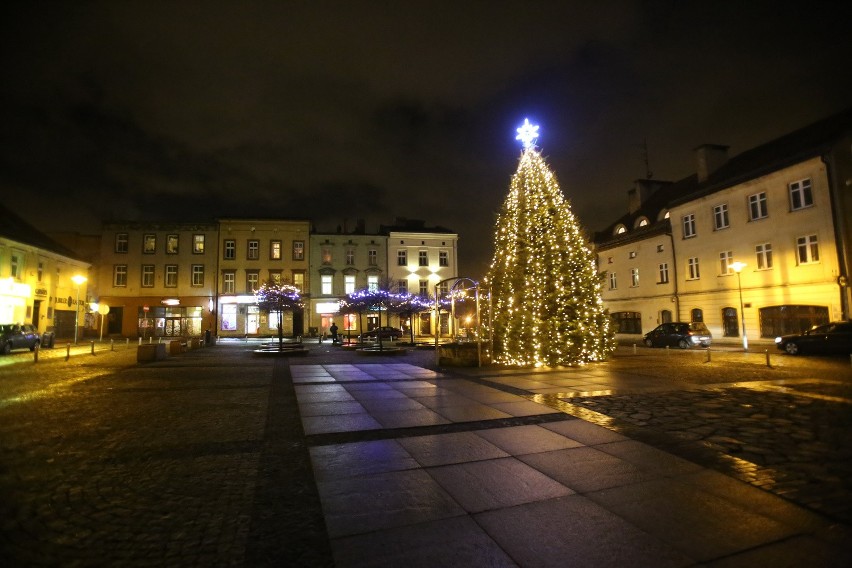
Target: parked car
18, 336
386, 331
834, 337
679, 334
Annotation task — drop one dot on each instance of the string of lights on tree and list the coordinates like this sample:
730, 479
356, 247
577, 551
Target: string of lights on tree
545, 288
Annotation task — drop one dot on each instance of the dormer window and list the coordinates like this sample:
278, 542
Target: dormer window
641, 222
620, 229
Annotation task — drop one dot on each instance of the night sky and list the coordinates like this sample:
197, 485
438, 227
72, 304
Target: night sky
335, 111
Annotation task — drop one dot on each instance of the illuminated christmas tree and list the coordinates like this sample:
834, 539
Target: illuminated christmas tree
545, 288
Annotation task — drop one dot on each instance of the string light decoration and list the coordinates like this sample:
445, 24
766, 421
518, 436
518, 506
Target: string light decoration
545, 288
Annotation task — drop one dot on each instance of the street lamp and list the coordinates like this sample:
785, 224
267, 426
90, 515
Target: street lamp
78, 280
738, 267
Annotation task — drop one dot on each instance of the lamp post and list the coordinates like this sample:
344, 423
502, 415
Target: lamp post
78, 280
738, 267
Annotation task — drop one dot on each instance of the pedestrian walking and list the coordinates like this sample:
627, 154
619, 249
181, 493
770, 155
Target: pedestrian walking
333, 331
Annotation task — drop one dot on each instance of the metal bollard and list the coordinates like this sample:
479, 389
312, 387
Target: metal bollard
112, 344
667, 350
708, 356
67, 351
35, 353
634, 349
127, 345
93, 347
767, 357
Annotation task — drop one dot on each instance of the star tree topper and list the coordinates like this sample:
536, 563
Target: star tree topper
527, 134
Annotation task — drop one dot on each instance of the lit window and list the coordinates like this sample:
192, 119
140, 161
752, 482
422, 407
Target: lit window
373, 283
620, 229
613, 281
325, 284
720, 217
808, 249
197, 244
349, 284
229, 317
299, 280
634, 277
275, 276
801, 195
757, 208
688, 225
764, 256
252, 281
326, 255
275, 250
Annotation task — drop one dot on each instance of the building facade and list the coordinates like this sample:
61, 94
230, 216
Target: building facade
158, 280
41, 282
753, 246
251, 252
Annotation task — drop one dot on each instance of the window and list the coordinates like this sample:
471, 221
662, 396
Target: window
692, 268
325, 284
620, 229
298, 250
660, 248
613, 281
689, 226
634, 277
147, 275
801, 195
121, 243
764, 256
229, 317
757, 206
720, 217
664, 273
350, 257
275, 276
230, 250
349, 284
424, 288
229, 282
171, 244
40, 271
808, 249
402, 287
299, 280
14, 266
697, 314
627, 322
791, 318
423, 258
252, 280
373, 283
401, 257
198, 275
253, 251
443, 258
119, 275
171, 276
726, 258
372, 257
326, 255
197, 244
631, 254
149, 243
275, 250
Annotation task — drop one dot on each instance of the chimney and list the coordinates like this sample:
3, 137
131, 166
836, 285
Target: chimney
708, 159
637, 195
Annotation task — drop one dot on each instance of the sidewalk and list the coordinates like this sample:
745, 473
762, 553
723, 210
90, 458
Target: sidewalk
418, 468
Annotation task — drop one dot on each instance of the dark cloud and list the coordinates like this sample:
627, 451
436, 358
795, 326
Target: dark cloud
335, 110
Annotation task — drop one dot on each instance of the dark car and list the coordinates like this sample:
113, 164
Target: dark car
834, 337
18, 336
386, 331
679, 334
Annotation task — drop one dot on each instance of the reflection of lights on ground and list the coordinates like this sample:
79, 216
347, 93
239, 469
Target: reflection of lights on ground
553, 401
51, 390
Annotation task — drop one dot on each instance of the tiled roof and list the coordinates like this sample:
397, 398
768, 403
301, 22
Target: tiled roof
812, 140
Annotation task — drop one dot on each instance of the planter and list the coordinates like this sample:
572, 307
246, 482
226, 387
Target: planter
458, 355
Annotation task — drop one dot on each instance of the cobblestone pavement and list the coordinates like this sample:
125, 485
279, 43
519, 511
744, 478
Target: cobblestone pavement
200, 460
